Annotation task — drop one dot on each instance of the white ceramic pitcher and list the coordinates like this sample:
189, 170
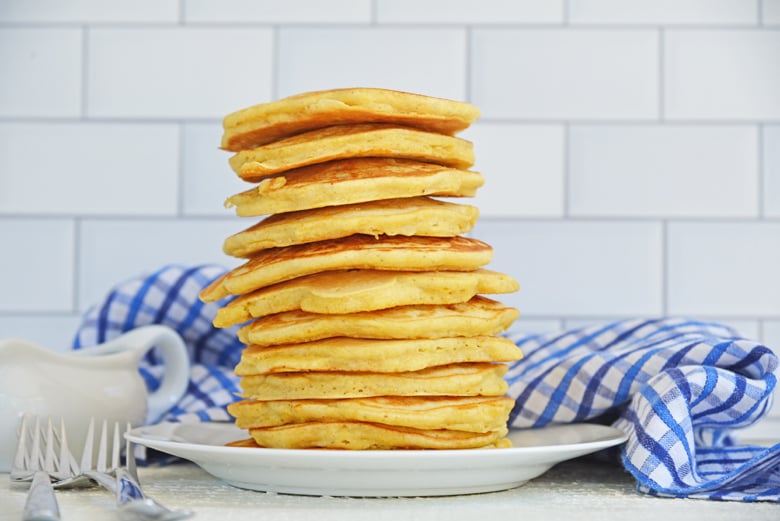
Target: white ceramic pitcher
101, 381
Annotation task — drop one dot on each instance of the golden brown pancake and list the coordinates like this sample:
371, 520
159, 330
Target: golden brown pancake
267, 122
348, 141
462, 413
369, 436
250, 443
479, 316
363, 290
471, 379
356, 251
374, 355
350, 181
412, 216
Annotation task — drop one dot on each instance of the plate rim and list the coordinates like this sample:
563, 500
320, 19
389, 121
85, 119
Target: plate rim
611, 437
313, 472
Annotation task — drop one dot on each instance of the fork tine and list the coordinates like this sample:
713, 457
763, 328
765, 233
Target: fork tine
49, 460
86, 456
20, 456
34, 460
116, 448
67, 463
63, 463
101, 461
130, 455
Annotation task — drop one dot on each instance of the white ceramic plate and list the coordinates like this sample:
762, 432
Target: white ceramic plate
375, 473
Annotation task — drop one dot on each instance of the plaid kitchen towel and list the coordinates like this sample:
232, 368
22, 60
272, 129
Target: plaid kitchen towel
677, 387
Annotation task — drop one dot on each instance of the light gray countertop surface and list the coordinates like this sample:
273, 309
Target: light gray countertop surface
582, 489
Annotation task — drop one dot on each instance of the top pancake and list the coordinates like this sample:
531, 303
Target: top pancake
354, 252
260, 124
348, 141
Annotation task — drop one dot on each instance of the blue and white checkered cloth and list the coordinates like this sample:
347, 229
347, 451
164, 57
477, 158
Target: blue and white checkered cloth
677, 387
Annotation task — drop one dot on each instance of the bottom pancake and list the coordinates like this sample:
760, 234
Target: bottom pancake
369, 436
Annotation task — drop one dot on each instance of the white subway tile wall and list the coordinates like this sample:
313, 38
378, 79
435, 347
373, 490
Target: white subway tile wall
465, 12
178, 72
429, 60
565, 73
277, 12
80, 12
663, 171
523, 166
722, 74
664, 12
771, 161
770, 12
631, 148
67, 168
42, 72
722, 268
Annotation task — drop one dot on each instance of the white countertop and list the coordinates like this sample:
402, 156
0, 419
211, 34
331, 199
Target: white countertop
583, 488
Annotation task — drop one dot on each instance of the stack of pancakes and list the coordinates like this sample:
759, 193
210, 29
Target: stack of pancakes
362, 301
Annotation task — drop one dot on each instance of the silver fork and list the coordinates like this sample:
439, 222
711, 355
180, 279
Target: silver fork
41, 467
132, 503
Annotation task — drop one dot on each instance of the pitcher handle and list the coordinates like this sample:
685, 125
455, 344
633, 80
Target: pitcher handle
173, 351
176, 376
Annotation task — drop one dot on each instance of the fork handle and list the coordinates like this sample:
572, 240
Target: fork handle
41, 504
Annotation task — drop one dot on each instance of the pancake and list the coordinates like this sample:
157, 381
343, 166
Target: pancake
471, 413
413, 216
472, 379
479, 316
267, 122
344, 354
250, 443
350, 181
356, 251
363, 290
369, 436
348, 141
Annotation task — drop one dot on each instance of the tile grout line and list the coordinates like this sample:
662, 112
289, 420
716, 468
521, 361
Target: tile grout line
566, 151
180, 174
467, 90
664, 267
275, 59
84, 70
661, 73
76, 255
760, 167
